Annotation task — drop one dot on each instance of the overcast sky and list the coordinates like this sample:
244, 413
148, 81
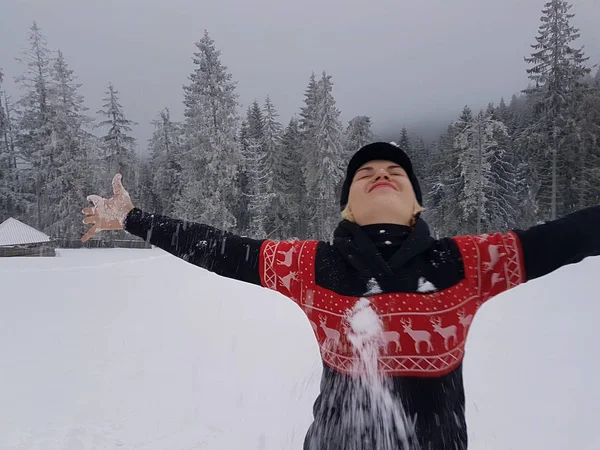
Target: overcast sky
400, 62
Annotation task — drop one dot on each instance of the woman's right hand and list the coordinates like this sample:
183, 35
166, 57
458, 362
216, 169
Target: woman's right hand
108, 214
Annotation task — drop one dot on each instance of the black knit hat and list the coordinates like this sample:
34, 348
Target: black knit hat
379, 150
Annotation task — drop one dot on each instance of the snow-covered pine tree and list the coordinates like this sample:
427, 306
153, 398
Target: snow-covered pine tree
586, 144
165, 163
326, 161
404, 141
259, 172
558, 69
146, 190
445, 185
118, 144
307, 125
503, 203
12, 203
419, 155
308, 113
273, 134
71, 150
212, 151
358, 134
34, 130
291, 220
477, 144
417, 152
240, 208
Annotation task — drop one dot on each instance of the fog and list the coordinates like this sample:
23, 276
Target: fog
413, 64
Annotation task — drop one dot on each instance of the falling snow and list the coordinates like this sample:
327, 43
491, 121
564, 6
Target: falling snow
373, 287
426, 286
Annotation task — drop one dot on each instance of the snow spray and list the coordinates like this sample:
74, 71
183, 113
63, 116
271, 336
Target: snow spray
374, 405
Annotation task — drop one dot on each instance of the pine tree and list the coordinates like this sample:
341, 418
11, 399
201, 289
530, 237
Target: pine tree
503, 203
325, 161
419, 156
34, 128
586, 144
477, 144
557, 71
118, 145
308, 113
12, 203
291, 219
416, 151
358, 134
446, 184
273, 134
165, 167
259, 172
212, 152
404, 141
307, 126
71, 153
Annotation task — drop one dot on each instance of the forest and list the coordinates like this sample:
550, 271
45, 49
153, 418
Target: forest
519, 161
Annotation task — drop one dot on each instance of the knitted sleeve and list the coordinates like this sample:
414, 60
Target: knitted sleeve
493, 262
568, 240
221, 252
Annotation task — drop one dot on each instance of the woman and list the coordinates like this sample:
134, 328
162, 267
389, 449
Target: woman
425, 293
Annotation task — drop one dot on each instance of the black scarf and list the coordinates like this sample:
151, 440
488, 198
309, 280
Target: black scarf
360, 250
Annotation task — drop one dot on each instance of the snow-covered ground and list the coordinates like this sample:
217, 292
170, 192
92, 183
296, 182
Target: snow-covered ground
135, 349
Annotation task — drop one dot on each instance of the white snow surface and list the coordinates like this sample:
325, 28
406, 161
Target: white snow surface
138, 350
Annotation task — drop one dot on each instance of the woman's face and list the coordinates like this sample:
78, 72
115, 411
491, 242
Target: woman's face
381, 192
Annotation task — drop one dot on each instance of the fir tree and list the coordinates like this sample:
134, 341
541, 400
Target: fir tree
325, 161
477, 143
212, 153
71, 150
118, 145
358, 134
290, 217
404, 141
557, 71
34, 127
259, 172
164, 179
273, 133
12, 202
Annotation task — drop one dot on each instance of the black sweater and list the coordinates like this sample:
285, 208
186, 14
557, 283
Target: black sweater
400, 261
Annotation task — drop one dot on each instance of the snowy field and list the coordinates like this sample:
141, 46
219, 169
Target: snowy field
135, 349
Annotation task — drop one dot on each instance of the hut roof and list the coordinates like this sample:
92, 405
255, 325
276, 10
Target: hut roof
15, 232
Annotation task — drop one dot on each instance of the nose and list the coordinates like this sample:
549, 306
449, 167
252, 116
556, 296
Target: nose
381, 173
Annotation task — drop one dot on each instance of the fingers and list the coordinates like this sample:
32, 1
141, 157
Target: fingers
95, 199
117, 185
90, 219
88, 211
89, 234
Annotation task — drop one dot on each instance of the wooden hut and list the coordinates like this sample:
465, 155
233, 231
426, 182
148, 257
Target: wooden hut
19, 239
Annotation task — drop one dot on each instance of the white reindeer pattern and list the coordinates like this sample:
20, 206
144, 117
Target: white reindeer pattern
287, 257
465, 321
495, 255
446, 332
391, 336
332, 335
288, 279
417, 335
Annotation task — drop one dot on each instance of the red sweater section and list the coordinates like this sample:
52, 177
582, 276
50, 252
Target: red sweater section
424, 332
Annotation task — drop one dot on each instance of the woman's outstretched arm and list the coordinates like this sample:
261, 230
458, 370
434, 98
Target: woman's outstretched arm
220, 252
